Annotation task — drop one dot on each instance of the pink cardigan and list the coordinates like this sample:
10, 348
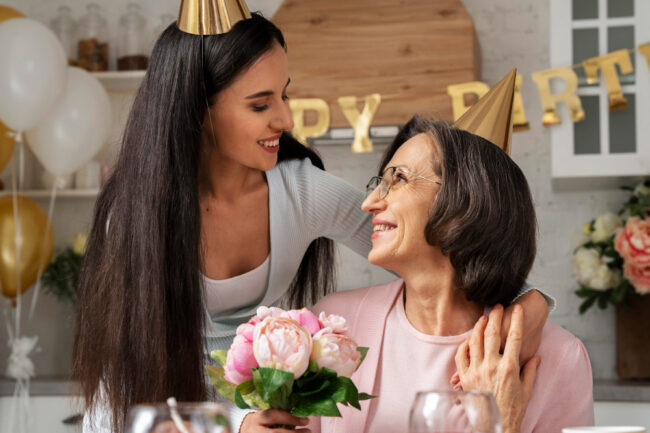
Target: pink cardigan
562, 394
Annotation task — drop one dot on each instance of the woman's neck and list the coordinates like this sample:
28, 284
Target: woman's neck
226, 180
434, 306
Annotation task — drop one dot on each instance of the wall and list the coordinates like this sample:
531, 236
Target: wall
511, 33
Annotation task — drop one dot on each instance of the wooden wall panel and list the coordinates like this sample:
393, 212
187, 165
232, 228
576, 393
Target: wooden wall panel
406, 50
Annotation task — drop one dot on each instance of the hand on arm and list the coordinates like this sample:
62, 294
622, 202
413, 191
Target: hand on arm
481, 367
264, 421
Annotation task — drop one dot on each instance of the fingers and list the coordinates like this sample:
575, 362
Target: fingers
476, 341
513, 341
277, 416
528, 375
493, 332
462, 359
266, 421
455, 378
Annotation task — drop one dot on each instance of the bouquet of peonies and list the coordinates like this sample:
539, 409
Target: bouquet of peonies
290, 360
612, 253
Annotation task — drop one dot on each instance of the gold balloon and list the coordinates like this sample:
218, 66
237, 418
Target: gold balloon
568, 96
607, 64
644, 49
458, 92
7, 13
301, 131
6, 145
360, 121
519, 121
36, 239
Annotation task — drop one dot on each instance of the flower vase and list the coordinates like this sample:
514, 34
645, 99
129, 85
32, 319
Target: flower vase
632, 337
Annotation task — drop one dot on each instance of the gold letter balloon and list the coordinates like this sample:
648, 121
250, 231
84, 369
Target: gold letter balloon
36, 240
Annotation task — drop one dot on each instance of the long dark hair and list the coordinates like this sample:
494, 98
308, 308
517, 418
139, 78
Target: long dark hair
483, 217
140, 313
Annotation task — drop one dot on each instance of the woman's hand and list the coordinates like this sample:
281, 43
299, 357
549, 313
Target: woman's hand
481, 367
535, 315
263, 421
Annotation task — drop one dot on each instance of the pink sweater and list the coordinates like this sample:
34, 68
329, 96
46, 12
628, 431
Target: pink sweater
402, 361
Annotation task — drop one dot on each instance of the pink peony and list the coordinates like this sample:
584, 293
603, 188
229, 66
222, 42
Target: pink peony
305, 318
336, 323
264, 312
633, 242
639, 277
240, 360
335, 351
281, 343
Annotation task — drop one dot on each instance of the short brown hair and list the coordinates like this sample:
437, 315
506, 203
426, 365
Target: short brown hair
483, 217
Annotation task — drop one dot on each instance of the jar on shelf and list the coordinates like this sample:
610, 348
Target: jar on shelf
65, 28
132, 49
93, 40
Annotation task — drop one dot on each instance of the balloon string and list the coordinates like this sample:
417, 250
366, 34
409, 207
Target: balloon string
41, 264
17, 238
21, 161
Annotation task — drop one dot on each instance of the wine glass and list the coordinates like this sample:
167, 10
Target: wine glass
454, 412
178, 418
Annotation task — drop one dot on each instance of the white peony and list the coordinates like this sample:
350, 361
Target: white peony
605, 226
578, 239
591, 270
641, 189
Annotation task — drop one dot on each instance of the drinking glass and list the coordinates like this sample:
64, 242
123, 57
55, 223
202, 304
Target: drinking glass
454, 412
182, 418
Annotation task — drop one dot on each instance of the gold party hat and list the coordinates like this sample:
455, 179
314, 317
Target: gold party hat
211, 17
491, 116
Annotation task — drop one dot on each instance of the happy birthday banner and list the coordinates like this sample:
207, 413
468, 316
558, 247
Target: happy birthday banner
361, 120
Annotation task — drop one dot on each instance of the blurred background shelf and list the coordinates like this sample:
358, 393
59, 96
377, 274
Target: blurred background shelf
120, 81
45, 193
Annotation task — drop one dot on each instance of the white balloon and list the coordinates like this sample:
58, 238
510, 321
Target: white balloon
77, 126
32, 72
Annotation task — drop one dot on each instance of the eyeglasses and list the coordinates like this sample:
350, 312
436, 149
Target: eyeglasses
392, 175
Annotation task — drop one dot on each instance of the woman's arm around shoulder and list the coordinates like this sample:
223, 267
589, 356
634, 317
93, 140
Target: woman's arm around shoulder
331, 206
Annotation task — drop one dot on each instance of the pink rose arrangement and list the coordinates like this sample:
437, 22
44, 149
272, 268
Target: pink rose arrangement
612, 253
290, 360
633, 244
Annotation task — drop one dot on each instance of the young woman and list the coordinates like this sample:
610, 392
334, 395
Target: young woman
212, 210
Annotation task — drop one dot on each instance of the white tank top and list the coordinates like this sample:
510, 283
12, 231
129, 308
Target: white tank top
237, 292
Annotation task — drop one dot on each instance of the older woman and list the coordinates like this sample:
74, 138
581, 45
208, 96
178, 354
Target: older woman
453, 216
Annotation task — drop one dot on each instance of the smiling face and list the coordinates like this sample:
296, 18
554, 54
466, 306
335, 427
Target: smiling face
250, 114
400, 218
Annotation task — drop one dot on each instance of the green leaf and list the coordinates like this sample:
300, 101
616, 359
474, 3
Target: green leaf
250, 395
364, 396
313, 407
223, 387
239, 400
346, 392
274, 386
602, 302
364, 353
219, 356
586, 304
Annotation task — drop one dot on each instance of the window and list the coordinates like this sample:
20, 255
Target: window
605, 143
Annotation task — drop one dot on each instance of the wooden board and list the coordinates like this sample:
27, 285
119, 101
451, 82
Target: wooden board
406, 50
633, 338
